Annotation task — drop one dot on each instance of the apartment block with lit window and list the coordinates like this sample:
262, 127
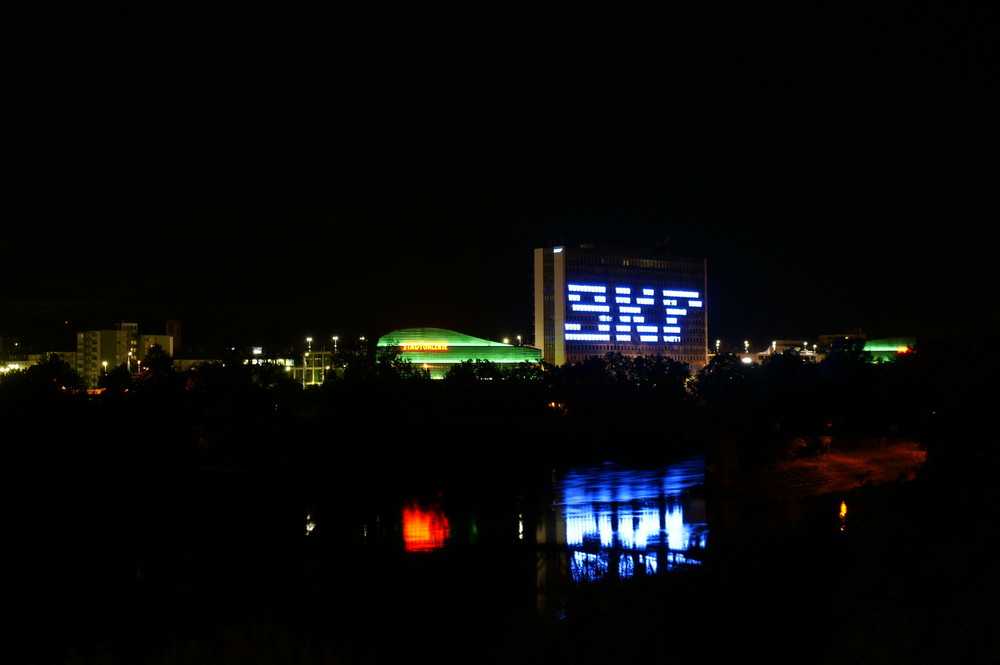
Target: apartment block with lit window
100, 351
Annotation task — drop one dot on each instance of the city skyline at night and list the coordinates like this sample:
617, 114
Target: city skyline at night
835, 176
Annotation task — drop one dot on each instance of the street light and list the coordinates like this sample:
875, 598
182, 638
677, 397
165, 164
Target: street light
335, 338
309, 341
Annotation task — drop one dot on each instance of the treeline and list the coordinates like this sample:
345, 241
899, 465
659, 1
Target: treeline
379, 411
845, 394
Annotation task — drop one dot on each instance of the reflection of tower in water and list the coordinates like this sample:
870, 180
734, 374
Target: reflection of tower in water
613, 523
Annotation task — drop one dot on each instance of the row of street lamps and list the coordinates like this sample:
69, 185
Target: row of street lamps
774, 346
335, 338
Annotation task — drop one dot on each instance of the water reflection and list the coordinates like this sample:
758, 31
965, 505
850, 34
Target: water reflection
616, 522
425, 527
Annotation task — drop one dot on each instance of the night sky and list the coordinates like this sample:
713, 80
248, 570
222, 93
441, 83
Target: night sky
265, 174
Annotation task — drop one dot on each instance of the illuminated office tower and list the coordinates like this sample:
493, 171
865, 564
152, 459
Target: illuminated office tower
594, 299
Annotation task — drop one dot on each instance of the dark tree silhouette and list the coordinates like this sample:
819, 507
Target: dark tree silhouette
116, 380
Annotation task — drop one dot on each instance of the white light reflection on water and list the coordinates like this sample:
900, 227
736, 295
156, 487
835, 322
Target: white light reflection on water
620, 522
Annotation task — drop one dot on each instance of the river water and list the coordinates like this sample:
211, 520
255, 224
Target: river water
491, 555
462, 569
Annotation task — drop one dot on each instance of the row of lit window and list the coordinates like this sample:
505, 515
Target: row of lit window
625, 327
630, 349
627, 291
628, 309
619, 337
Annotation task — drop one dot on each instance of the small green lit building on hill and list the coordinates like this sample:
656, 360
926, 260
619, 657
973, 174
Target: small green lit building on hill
884, 350
437, 349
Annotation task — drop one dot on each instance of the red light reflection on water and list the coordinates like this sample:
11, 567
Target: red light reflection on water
424, 527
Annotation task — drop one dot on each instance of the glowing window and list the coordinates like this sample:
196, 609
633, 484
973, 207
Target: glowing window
670, 319
574, 297
638, 319
600, 298
605, 317
671, 338
652, 329
625, 319
586, 288
645, 301
694, 303
630, 310
623, 289
648, 338
671, 329
680, 312
680, 294
648, 292
623, 338
604, 327
623, 300
587, 337
623, 328
572, 326
590, 308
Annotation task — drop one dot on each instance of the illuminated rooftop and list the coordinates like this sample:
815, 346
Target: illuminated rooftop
438, 349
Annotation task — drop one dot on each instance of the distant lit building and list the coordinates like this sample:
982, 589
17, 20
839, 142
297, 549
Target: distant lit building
594, 299
189, 360
314, 368
100, 351
437, 350
886, 349
879, 350
68, 357
804, 349
165, 342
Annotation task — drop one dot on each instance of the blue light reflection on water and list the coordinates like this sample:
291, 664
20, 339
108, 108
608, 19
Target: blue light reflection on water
622, 522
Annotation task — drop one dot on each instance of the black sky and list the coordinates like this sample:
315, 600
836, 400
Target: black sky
282, 172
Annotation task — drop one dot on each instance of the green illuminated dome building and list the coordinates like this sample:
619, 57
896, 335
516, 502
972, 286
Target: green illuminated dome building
437, 349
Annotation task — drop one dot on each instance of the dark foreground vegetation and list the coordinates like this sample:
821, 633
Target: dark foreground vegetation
161, 521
